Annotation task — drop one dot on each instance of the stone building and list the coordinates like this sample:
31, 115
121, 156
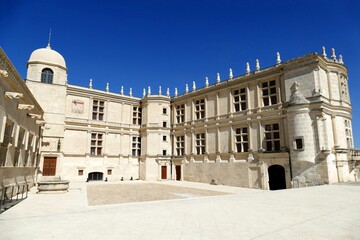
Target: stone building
288, 125
20, 133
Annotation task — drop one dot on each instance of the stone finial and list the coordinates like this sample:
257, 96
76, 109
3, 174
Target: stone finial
25, 107
144, 92
247, 68
4, 73
186, 88
278, 60
168, 92
206, 81
257, 67
130, 92
149, 91
333, 55
176, 92
230, 74
194, 86
90, 84
122, 90
218, 78
13, 95
107, 87
324, 52
341, 59
160, 93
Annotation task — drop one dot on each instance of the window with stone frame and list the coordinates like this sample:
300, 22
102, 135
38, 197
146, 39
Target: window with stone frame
269, 93
19, 147
137, 115
272, 137
28, 153
348, 134
344, 88
180, 145
298, 143
241, 139
136, 146
98, 110
9, 126
96, 144
180, 113
200, 142
47, 75
239, 99
200, 109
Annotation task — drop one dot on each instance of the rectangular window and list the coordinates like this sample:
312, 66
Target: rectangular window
136, 146
137, 115
200, 143
164, 110
164, 138
109, 171
180, 145
269, 94
164, 152
241, 139
164, 124
80, 172
272, 137
299, 143
240, 100
98, 110
96, 143
348, 133
5, 144
180, 113
200, 109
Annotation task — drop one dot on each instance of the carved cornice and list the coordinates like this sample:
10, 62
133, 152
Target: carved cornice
13, 95
25, 107
40, 122
38, 116
4, 73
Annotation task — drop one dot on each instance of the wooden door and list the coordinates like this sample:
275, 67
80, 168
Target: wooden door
178, 173
163, 172
49, 166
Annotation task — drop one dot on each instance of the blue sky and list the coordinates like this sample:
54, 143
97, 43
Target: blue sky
170, 43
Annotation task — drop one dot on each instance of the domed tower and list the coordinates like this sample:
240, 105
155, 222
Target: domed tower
47, 80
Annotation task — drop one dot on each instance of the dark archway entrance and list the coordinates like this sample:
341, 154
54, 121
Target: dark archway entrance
277, 178
95, 176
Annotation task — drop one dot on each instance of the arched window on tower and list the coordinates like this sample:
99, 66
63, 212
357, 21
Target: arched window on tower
47, 75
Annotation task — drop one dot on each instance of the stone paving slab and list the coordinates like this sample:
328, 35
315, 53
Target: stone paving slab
117, 193
322, 212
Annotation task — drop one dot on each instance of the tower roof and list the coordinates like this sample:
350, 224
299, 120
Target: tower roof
47, 56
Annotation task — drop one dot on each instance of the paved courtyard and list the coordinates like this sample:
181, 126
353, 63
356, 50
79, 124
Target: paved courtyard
322, 212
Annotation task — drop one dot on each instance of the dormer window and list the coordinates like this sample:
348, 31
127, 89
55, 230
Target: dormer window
47, 75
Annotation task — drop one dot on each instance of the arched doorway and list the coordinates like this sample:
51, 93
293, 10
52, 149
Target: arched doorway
277, 178
95, 176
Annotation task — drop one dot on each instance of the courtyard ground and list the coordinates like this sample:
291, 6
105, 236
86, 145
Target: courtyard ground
321, 212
